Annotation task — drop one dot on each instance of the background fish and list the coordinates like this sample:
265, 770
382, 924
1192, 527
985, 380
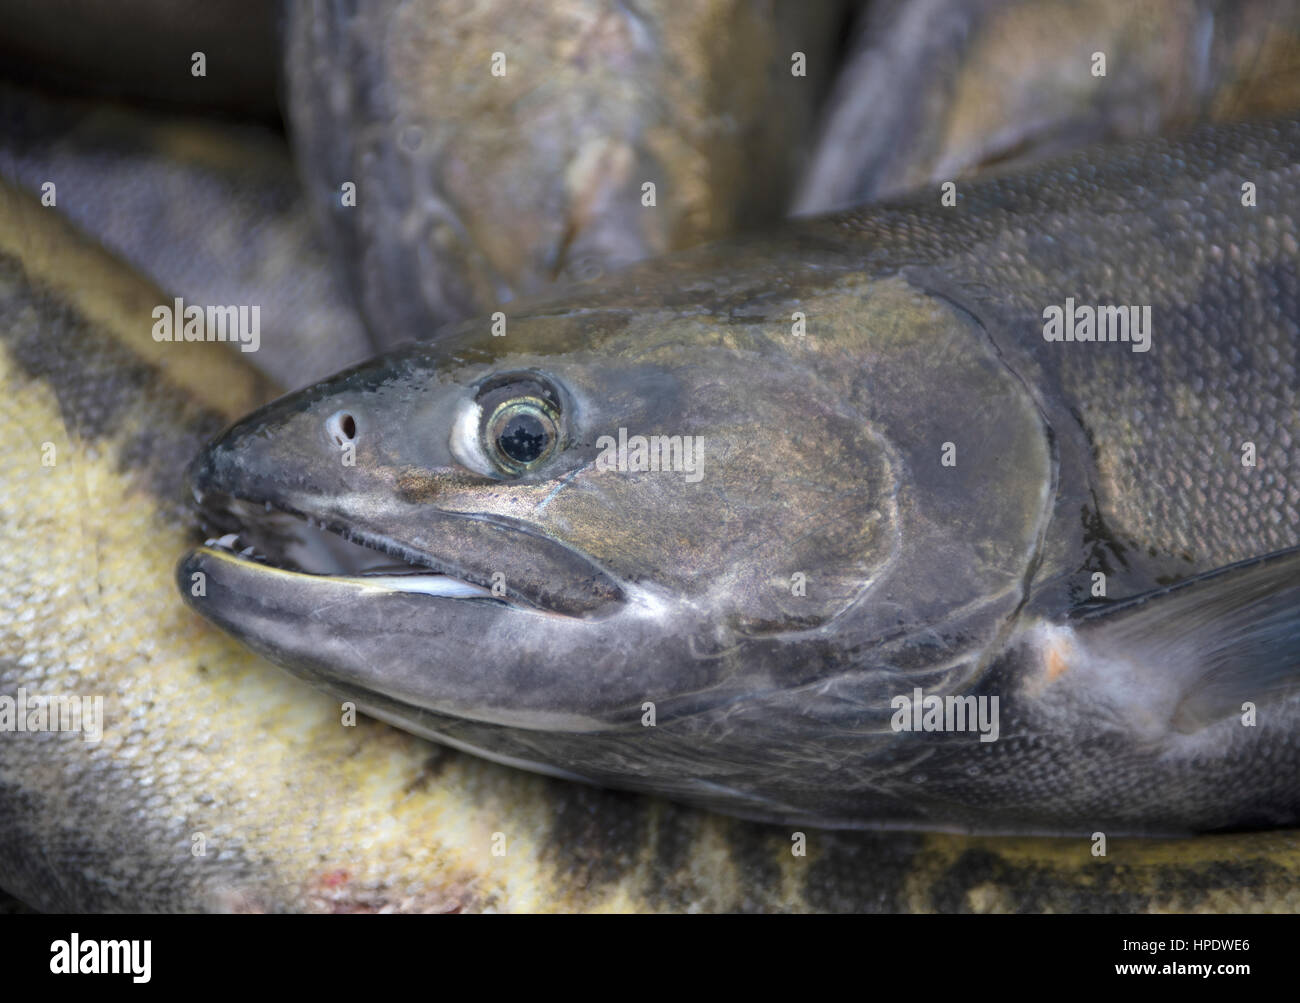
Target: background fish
473, 188
491, 188
935, 90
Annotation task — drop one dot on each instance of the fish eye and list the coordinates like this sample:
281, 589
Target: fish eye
515, 423
520, 434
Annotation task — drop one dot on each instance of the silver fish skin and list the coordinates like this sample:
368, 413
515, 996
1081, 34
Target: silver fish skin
886, 482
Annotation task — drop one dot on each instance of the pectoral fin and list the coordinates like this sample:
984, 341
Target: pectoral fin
1231, 636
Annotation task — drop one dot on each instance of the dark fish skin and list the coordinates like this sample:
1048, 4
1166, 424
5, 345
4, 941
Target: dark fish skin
201, 736
1124, 713
935, 90
474, 188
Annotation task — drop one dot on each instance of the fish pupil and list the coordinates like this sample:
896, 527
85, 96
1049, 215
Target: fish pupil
523, 439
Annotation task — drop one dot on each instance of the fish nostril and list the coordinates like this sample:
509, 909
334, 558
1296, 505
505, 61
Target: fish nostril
341, 427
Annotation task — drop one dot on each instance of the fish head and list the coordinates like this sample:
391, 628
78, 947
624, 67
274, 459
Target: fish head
598, 511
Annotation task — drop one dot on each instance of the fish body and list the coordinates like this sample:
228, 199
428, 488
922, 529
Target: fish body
462, 155
941, 90
220, 783
891, 460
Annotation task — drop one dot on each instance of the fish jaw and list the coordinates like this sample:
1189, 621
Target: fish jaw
431, 643
270, 482
416, 614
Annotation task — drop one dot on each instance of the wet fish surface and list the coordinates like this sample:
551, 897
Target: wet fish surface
938, 90
202, 738
220, 783
896, 477
493, 150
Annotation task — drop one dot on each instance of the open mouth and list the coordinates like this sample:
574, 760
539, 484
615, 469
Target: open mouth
432, 553
289, 541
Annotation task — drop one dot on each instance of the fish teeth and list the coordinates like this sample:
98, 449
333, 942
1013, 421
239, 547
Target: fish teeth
231, 543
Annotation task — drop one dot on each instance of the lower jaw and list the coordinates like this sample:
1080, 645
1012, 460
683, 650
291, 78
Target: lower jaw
313, 550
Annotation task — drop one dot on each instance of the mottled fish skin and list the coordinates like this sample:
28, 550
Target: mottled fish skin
924, 331
303, 814
473, 188
210, 211
939, 90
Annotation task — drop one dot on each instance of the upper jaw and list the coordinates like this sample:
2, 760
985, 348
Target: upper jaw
426, 551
